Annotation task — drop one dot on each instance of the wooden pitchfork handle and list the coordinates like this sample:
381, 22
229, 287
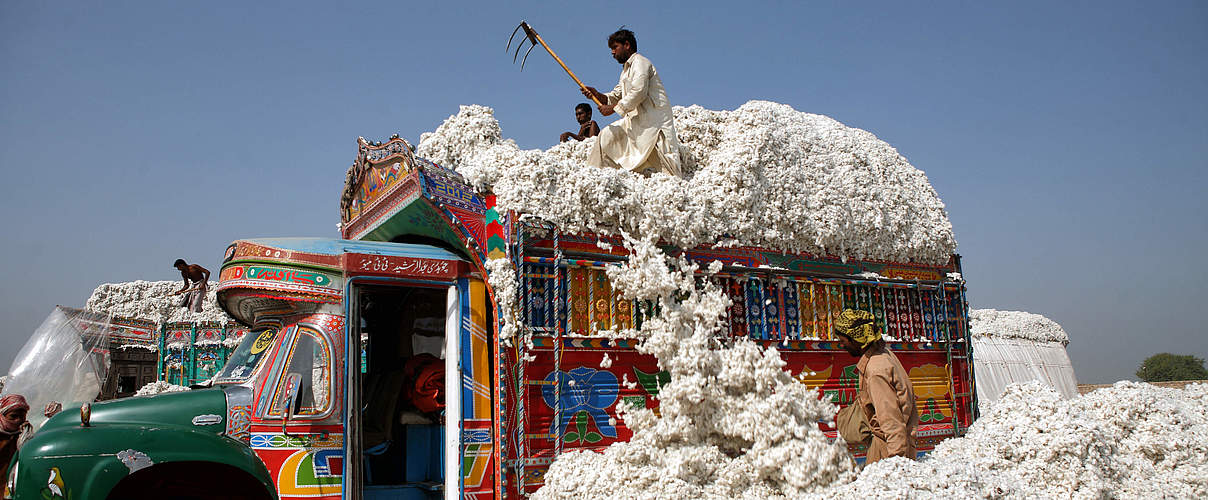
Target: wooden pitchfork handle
535, 38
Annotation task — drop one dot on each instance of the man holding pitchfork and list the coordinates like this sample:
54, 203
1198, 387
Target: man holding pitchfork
644, 139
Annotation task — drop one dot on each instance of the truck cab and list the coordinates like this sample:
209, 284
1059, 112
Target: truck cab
351, 346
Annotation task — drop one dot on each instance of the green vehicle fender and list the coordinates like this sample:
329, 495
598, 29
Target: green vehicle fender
88, 469
133, 436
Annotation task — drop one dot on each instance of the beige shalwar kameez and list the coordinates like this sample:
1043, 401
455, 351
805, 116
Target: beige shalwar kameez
887, 396
643, 140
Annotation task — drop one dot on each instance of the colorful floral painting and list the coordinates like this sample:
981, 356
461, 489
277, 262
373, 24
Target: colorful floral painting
585, 391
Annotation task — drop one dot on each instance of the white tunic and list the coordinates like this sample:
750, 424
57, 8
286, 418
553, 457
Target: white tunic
643, 139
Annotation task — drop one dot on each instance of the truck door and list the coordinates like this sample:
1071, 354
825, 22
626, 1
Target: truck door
406, 341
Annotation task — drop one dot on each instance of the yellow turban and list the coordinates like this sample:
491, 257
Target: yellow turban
858, 325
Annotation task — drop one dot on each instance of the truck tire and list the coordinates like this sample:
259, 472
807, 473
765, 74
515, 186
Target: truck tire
189, 481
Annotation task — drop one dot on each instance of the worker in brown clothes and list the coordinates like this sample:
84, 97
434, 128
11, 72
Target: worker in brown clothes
197, 277
886, 395
587, 126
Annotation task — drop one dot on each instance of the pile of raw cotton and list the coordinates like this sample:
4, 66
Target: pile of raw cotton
1132, 440
763, 174
732, 424
151, 300
159, 387
1016, 325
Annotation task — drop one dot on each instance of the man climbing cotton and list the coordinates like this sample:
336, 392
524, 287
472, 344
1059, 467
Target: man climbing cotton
643, 140
199, 278
886, 395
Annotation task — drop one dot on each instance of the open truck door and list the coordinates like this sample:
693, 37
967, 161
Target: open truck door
408, 335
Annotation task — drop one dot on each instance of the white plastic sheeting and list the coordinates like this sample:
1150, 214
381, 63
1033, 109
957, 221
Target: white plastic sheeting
1000, 361
65, 360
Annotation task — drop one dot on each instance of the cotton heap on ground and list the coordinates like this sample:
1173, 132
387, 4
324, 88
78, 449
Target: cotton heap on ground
152, 300
763, 174
732, 423
1132, 440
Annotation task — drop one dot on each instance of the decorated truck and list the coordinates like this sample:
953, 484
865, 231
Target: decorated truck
373, 366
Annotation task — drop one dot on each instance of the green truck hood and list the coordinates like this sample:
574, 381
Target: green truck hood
174, 408
128, 437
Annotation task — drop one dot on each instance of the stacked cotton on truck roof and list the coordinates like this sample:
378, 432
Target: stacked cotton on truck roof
763, 174
151, 300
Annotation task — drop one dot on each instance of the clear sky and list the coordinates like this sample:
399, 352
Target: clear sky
1069, 140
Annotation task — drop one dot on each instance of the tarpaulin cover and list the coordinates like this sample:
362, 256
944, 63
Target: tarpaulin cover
1001, 361
66, 360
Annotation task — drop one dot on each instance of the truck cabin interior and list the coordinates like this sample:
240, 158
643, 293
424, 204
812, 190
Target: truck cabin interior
402, 386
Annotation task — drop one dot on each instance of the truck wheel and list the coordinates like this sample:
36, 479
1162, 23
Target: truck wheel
189, 481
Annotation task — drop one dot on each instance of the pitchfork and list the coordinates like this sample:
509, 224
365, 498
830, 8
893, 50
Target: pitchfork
531, 36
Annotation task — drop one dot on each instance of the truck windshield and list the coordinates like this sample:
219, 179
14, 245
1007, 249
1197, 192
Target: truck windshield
242, 363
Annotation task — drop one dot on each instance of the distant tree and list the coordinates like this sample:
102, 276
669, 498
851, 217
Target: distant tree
1164, 367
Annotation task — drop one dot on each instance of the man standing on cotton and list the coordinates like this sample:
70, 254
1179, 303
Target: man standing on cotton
196, 276
644, 139
886, 395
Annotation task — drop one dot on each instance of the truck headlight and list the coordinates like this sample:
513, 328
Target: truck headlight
10, 484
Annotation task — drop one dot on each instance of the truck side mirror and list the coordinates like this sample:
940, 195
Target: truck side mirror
288, 396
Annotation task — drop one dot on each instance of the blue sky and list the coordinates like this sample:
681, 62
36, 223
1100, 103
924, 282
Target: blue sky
1069, 141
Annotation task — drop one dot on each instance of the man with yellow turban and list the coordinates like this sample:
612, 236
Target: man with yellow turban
885, 395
